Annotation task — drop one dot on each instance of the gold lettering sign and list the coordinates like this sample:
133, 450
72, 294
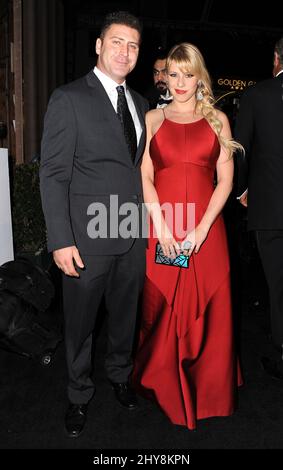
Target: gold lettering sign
234, 83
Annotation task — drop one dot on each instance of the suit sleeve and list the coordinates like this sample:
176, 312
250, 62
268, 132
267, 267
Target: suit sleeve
244, 134
57, 155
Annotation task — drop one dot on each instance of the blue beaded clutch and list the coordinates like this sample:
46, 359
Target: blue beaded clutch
181, 261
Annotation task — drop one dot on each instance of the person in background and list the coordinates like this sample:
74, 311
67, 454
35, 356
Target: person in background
259, 128
159, 95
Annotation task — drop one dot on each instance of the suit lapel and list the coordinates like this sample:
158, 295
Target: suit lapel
142, 123
103, 103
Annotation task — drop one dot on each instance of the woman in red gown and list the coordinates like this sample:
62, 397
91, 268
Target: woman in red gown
186, 357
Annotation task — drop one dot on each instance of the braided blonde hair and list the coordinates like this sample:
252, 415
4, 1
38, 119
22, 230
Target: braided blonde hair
189, 58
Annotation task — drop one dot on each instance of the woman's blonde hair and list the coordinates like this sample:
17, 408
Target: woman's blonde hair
189, 59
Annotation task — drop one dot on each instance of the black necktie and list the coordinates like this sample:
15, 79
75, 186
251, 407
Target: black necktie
126, 121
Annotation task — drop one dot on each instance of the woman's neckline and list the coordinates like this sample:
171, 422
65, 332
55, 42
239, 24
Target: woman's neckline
184, 123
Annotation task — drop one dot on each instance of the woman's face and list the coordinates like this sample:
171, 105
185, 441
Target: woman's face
182, 85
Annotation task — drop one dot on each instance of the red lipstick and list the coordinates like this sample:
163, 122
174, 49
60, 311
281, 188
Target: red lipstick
180, 92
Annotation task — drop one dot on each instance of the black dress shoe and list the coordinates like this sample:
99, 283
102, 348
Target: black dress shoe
273, 368
75, 419
125, 395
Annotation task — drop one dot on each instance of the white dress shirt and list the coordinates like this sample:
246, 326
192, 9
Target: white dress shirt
166, 97
110, 87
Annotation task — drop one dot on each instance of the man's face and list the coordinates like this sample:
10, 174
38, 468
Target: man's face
118, 51
159, 75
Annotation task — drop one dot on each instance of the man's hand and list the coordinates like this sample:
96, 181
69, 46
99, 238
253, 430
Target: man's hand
64, 259
244, 199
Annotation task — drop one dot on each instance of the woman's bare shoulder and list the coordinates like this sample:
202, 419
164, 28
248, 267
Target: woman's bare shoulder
154, 115
154, 119
221, 116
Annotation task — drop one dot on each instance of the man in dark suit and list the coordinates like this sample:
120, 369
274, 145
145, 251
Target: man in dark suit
93, 141
259, 128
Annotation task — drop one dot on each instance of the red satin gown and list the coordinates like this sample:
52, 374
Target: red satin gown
186, 359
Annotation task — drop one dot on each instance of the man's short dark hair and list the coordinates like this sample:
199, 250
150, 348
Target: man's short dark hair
120, 17
279, 49
160, 54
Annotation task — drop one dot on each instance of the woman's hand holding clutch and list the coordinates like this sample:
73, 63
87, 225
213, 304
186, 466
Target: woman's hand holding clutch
169, 246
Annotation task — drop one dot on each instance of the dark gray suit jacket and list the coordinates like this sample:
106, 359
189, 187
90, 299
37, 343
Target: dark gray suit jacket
259, 128
85, 159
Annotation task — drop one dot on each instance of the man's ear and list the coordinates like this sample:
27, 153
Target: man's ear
276, 64
98, 46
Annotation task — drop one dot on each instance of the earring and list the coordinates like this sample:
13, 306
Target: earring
199, 95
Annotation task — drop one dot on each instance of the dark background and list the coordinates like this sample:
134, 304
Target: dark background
236, 38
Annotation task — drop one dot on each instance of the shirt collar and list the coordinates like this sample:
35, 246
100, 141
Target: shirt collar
107, 82
281, 71
166, 96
